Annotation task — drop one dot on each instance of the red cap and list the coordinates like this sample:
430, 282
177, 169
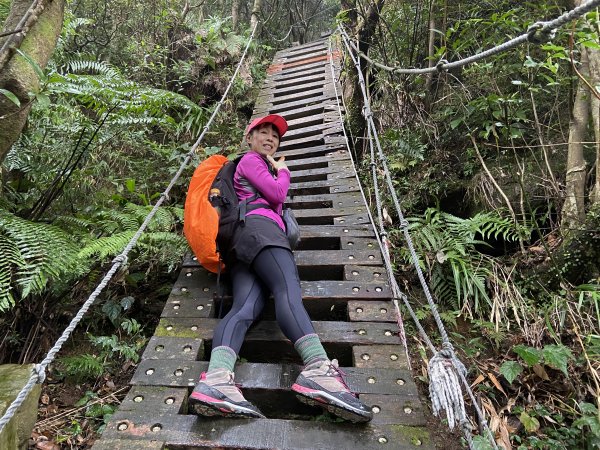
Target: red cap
278, 121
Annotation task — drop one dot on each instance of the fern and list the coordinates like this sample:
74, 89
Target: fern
102, 88
82, 367
107, 246
447, 248
35, 255
158, 242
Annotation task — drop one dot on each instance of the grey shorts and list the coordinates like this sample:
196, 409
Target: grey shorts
249, 239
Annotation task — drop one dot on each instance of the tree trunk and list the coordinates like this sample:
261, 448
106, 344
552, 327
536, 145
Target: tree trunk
576, 260
573, 212
594, 61
364, 30
256, 9
17, 75
235, 14
430, 53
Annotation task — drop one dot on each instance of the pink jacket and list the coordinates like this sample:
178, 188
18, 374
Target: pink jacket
252, 175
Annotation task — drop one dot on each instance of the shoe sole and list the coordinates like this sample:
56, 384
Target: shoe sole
332, 405
222, 408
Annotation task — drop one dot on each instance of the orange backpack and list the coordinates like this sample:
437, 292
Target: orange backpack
200, 218
213, 212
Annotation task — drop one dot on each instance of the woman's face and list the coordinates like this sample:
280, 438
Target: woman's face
264, 139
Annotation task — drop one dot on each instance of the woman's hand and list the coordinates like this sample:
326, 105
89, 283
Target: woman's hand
279, 164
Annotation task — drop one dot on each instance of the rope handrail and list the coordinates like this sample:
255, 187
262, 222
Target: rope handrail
38, 374
537, 33
444, 385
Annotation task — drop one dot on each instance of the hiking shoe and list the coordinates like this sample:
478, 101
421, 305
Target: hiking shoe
322, 384
217, 395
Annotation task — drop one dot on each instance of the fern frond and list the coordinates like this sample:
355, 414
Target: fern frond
10, 257
107, 246
99, 67
47, 252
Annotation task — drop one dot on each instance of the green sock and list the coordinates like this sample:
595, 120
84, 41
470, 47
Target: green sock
222, 357
310, 348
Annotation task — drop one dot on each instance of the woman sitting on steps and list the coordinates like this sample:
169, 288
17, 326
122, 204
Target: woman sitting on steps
261, 261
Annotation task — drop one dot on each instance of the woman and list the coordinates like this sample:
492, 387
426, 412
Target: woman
261, 261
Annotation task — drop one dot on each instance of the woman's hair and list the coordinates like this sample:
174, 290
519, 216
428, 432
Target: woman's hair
263, 125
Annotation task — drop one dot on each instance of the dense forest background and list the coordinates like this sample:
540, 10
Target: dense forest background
497, 165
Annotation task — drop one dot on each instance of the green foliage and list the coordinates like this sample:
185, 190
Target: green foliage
96, 409
404, 148
33, 255
82, 367
511, 370
4, 10
555, 356
447, 246
120, 225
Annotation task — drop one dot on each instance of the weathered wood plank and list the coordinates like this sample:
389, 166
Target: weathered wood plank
339, 333
265, 107
337, 186
315, 161
304, 142
364, 273
298, 58
314, 290
310, 152
272, 80
293, 88
274, 377
301, 82
391, 409
159, 399
337, 257
307, 131
298, 113
324, 201
356, 219
270, 98
372, 311
161, 347
128, 444
317, 231
330, 171
191, 432
380, 356
309, 216
348, 243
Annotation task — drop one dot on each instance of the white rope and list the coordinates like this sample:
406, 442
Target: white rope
537, 33
445, 369
38, 374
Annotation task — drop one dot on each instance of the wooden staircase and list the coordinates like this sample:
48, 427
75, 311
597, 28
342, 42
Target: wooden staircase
345, 291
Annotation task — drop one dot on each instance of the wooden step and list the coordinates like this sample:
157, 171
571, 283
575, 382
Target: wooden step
190, 432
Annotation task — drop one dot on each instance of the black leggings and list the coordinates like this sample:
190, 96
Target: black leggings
273, 270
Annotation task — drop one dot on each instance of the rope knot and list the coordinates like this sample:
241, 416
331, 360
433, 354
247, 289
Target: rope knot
366, 112
441, 65
403, 224
121, 259
539, 32
40, 371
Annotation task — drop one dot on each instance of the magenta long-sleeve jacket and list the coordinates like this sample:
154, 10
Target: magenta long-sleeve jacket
252, 175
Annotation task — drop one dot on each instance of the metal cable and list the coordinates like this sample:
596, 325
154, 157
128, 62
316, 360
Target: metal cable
38, 374
537, 33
